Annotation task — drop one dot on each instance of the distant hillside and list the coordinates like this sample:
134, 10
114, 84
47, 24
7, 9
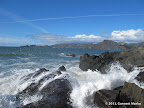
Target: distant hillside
106, 44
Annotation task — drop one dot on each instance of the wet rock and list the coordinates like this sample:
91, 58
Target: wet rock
33, 88
95, 62
62, 68
132, 93
71, 55
140, 77
128, 96
35, 74
106, 98
118, 88
39, 72
128, 59
55, 95
140, 65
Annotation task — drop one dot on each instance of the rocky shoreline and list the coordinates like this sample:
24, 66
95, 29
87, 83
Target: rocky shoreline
56, 94
128, 96
128, 59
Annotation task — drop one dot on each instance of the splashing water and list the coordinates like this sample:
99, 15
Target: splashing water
89, 82
15, 70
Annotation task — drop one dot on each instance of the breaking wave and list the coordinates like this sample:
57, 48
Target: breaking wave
84, 84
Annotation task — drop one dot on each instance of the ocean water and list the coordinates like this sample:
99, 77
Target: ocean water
18, 62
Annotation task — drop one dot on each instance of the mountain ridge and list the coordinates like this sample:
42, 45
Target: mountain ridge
106, 44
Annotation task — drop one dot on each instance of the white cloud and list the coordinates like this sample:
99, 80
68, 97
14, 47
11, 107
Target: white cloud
128, 36
56, 39
50, 39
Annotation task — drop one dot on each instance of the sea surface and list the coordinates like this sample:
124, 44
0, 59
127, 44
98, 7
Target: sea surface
18, 62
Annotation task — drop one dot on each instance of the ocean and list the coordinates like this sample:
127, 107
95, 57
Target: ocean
18, 62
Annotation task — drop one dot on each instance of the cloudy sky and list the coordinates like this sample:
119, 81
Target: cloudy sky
47, 22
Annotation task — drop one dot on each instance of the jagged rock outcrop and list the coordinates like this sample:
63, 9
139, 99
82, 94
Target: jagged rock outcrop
55, 94
62, 68
128, 59
103, 98
128, 96
133, 94
140, 77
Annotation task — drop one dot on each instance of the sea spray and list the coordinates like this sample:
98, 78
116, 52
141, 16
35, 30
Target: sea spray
15, 71
91, 81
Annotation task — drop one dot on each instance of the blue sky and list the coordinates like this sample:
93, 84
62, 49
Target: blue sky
46, 22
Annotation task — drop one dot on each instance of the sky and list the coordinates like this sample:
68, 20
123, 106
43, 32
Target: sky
48, 22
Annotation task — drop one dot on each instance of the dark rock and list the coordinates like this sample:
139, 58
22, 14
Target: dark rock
39, 72
104, 97
128, 59
71, 55
141, 65
95, 62
118, 88
140, 77
62, 68
128, 94
35, 74
33, 88
132, 93
56, 94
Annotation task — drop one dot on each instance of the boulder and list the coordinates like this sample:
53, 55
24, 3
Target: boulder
35, 74
62, 68
140, 77
128, 96
103, 97
128, 59
40, 71
33, 88
131, 93
95, 62
55, 94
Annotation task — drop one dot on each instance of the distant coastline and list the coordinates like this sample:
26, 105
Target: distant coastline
106, 44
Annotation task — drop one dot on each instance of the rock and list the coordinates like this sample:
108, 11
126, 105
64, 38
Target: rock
33, 88
55, 94
140, 65
62, 68
71, 55
35, 74
95, 62
118, 88
140, 77
104, 97
132, 93
39, 72
128, 59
